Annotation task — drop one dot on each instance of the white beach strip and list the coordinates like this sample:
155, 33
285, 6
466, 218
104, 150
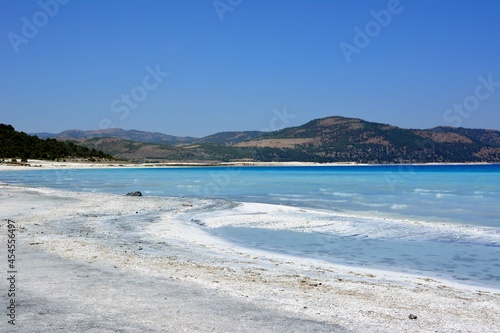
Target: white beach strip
108, 263
44, 164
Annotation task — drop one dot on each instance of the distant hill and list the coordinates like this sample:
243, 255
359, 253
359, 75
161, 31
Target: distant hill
44, 135
340, 139
14, 144
132, 135
144, 152
330, 139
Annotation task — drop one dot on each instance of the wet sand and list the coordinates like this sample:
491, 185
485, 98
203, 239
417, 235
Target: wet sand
109, 263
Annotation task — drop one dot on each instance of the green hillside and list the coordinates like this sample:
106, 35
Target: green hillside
14, 144
339, 139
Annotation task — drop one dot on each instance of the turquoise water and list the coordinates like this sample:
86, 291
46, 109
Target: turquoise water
458, 195
476, 263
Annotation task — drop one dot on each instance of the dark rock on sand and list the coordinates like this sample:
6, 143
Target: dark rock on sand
134, 194
412, 316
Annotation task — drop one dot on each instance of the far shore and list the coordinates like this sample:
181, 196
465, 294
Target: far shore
45, 164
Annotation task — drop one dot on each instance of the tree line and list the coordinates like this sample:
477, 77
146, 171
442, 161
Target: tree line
14, 144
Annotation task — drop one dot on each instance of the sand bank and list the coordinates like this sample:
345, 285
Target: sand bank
107, 263
43, 164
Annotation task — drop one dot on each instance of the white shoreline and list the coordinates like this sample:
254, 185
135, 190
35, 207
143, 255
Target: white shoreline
104, 230
300, 219
43, 164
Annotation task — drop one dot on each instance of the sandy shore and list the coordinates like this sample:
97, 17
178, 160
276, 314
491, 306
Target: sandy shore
108, 263
35, 164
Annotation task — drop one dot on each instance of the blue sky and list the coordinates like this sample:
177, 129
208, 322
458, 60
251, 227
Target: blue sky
247, 64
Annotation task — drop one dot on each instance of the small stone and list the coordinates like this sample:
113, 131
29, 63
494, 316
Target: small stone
134, 194
412, 316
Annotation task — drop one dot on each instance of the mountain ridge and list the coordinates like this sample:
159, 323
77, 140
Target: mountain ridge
329, 139
133, 135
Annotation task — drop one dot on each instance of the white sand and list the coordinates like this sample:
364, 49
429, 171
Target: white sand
44, 164
104, 263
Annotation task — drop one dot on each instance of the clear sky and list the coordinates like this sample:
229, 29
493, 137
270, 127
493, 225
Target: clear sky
247, 64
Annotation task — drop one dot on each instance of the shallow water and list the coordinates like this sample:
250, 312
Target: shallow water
471, 263
465, 196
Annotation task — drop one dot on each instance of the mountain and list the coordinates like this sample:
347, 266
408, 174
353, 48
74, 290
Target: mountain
132, 135
330, 139
44, 135
340, 139
14, 144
